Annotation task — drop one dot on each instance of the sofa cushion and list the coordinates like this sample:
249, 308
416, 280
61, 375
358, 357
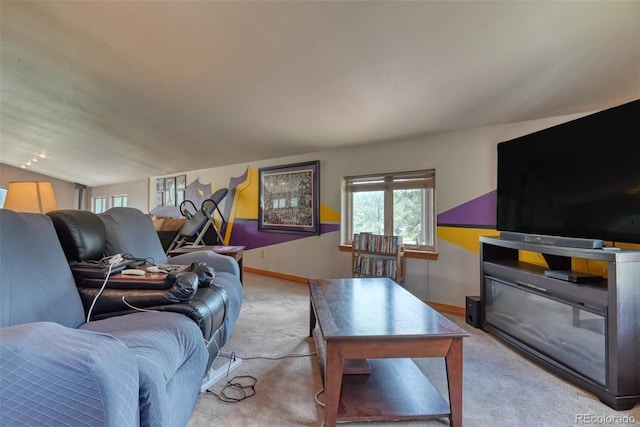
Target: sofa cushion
54, 375
36, 284
171, 357
81, 234
131, 231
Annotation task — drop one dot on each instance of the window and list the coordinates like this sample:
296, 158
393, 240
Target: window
401, 204
98, 204
3, 196
119, 201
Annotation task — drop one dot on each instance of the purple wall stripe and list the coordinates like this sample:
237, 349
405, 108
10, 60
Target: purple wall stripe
245, 233
479, 212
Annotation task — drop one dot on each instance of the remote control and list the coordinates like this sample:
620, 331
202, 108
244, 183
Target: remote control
156, 269
133, 272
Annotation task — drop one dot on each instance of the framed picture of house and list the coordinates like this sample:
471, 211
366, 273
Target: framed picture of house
288, 198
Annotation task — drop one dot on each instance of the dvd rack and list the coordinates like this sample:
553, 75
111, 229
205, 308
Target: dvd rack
378, 255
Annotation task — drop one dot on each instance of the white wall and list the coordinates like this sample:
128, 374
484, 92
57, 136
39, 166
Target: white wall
466, 167
137, 193
67, 194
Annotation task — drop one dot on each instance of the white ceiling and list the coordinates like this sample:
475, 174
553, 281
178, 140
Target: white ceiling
115, 91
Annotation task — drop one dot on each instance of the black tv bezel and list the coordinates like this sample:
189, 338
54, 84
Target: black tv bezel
618, 125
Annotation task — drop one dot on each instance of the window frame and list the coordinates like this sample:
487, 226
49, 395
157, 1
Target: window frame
3, 196
103, 199
388, 182
122, 197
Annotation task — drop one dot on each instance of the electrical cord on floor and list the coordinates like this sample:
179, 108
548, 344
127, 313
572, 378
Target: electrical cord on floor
234, 390
316, 397
284, 356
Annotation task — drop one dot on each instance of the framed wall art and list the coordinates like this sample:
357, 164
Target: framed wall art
170, 191
181, 182
288, 198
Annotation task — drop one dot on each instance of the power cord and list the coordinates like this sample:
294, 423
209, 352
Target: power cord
111, 261
284, 356
129, 257
316, 397
134, 307
234, 390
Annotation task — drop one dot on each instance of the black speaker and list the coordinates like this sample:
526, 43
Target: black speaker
473, 311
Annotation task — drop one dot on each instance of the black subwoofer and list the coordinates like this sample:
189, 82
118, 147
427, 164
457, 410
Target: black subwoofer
473, 311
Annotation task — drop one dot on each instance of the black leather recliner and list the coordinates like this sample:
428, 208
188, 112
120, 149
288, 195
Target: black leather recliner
82, 235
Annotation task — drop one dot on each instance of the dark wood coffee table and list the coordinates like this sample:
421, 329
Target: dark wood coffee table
368, 329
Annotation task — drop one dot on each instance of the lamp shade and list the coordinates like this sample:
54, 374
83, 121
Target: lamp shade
30, 196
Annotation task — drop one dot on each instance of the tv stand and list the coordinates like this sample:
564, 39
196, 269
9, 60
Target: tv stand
585, 332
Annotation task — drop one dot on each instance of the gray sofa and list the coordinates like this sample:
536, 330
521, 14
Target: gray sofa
87, 237
142, 368
130, 231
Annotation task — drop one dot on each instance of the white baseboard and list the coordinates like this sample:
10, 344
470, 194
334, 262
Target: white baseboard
215, 375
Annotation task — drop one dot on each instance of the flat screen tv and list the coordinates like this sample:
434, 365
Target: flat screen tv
578, 179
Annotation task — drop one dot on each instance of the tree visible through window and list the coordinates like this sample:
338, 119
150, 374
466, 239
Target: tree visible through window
368, 212
401, 204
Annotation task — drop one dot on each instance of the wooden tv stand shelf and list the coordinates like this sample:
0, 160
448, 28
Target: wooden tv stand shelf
589, 332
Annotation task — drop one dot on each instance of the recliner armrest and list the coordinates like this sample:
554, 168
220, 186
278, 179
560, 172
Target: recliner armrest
52, 374
218, 261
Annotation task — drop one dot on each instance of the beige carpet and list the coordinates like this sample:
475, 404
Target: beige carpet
501, 388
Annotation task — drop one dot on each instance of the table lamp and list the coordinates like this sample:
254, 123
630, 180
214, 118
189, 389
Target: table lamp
30, 196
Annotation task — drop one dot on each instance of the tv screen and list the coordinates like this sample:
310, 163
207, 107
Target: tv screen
578, 179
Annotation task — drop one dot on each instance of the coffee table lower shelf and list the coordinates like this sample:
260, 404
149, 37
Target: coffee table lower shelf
394, 390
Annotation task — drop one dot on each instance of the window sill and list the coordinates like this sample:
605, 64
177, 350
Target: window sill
409, 253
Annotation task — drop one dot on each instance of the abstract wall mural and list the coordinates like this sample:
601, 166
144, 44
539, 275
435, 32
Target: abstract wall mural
461, 225
241, 212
